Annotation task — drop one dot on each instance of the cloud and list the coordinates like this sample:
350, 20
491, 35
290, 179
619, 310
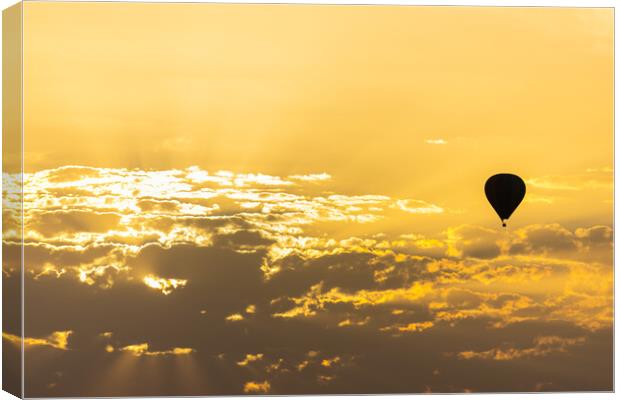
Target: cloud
142, 349
418, 207
472, 241
311, 177
318, 300
166, 286
543, 345
52, 223
249, 358
349, 322
544, 239
595, 236
330, 362
129, 206
57, 340
256, 387
416, 326
592, 243
235, 317
311, 291
436, 141
72, 173
159, 206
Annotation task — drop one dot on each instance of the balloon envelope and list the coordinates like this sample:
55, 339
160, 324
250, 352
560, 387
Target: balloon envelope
505, 192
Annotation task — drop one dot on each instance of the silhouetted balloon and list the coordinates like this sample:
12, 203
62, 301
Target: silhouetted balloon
504, 192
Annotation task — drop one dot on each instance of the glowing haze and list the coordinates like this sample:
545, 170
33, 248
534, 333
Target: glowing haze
285, 199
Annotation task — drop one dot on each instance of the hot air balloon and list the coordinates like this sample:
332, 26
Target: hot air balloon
505, 192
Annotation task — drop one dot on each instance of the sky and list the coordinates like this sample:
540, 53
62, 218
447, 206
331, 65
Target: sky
288, 199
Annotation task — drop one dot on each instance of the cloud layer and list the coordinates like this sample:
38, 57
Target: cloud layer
225, 283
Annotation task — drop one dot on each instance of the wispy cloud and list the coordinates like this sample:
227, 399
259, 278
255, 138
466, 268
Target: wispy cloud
543, 345
142, 349
436, 141
57, 340
418, 207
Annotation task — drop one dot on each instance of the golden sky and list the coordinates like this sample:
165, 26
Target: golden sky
353, 91
256, 198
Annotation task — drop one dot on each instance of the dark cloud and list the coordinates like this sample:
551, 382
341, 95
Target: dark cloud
596, 235
473, 241
545, 239
222, 282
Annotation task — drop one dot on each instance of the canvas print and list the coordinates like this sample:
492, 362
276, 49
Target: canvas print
230, 199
